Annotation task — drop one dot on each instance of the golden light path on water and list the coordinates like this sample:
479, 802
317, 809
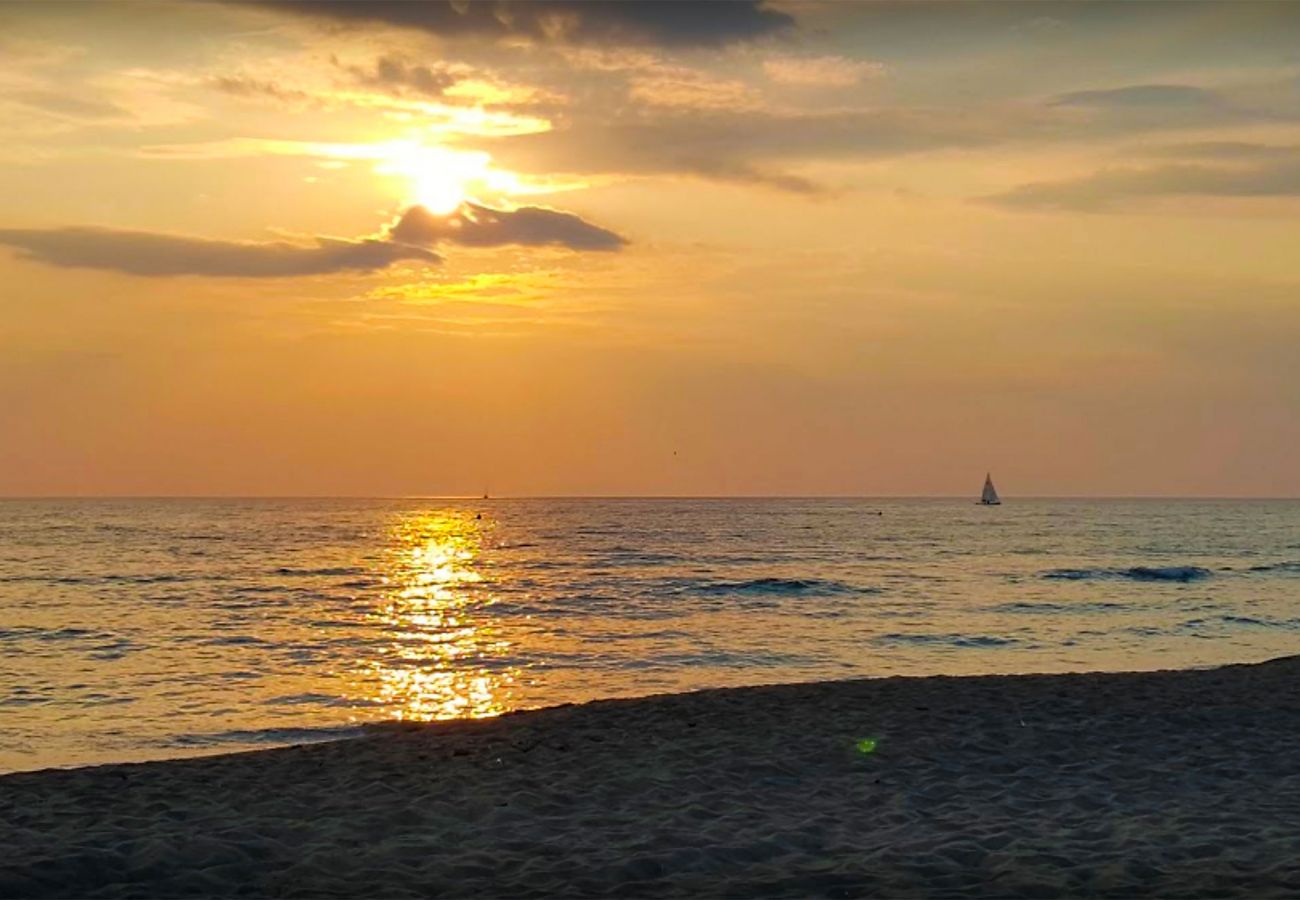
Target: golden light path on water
435, 616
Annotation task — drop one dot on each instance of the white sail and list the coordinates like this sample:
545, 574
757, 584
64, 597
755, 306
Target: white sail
989, 496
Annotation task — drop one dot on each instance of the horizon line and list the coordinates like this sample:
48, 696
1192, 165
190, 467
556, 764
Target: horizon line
477, 497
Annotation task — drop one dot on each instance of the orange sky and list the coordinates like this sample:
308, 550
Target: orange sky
563, 248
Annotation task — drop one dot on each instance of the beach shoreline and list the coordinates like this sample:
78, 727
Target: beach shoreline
1168, 783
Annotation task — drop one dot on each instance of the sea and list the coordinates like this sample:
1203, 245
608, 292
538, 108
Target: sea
144, 629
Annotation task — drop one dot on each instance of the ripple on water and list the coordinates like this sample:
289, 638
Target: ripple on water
325, 612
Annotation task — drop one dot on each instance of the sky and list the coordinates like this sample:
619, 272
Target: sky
553, 248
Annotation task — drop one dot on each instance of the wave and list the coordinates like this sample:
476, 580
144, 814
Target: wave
328, 571
54, 634
1277, 567
638, 559
236, 640
307, 699
106, 579
270, 736
1207, 627
964, 641
1260, 622
781, 586
1135, 573
1047, 608
722, 659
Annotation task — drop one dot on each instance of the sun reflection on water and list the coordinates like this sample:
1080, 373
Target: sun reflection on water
446, 656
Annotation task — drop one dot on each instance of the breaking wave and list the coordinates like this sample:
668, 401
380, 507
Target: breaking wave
1135, 573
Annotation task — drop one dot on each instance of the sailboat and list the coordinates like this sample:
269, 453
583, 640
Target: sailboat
989, 496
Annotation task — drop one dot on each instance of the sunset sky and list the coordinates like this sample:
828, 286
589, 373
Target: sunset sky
388, 248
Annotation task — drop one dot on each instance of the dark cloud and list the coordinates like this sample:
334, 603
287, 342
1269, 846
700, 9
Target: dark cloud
1277, 176
481, 226
158, 255
149, 254
659, 22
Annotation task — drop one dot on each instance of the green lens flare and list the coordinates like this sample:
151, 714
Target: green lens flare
866, 745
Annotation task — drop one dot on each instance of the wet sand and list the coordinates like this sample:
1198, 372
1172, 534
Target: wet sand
1172, 784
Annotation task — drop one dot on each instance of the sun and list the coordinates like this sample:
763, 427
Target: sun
436, 178
440, 195
441, 179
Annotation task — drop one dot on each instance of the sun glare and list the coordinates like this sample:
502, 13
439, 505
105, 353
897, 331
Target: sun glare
440, 196
437, 178
447, 651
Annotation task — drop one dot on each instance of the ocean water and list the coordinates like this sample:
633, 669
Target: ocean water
140, 629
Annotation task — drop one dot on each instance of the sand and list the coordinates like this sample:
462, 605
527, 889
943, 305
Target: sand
1175, 784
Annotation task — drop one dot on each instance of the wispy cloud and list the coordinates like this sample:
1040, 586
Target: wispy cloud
1145, 96
1153, 107
683, 23
1260, 171
821, 71
754, 146
683, 87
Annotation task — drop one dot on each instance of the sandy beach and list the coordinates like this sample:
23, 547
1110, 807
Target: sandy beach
1174, 784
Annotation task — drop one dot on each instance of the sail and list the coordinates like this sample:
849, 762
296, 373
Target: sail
990, 494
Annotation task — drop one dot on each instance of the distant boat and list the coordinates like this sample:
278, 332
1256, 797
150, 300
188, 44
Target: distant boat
989, 496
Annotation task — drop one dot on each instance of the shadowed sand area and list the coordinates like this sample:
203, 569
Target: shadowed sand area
1166, 783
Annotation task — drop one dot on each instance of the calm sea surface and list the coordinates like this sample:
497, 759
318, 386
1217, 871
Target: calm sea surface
136, 629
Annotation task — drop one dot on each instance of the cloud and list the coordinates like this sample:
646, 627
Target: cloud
70, 105
481, 226
253, 87
1145, 96
1227, 151
1271, 175
393, 74
750, 146
682, 23
716, 136
737, 172
156, 255
681, 87
1140, 107
821, 71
